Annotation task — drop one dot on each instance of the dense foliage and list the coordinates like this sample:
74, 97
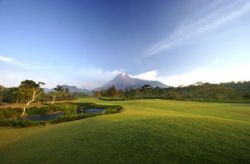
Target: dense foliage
24, 91
224, 92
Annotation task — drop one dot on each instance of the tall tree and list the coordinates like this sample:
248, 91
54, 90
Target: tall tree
57, 91
113, 92
1, 93
30, 91
146, 88
66, 93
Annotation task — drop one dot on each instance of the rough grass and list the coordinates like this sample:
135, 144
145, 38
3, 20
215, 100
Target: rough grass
147, 131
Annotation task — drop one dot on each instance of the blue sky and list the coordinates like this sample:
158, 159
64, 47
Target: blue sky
86, 43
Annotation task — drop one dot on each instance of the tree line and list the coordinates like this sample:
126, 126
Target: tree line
223, 92
30, 91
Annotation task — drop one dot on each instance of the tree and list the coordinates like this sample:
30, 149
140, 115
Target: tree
66, 93
97, 93
1, 93
30, 91
113, 92
198, 83
146, 88
12, 95
57, 91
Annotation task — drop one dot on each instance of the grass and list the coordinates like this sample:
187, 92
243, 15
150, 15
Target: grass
147, 131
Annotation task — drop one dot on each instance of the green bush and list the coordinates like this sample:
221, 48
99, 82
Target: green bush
113, 109
10, 113
37, 110
72, 118
67, 108
21, 123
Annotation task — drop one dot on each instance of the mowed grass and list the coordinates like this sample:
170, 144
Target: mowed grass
147, 131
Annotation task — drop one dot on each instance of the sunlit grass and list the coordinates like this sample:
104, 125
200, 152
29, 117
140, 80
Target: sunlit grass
147, 131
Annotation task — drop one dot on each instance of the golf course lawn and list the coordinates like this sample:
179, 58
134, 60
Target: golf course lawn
146, 131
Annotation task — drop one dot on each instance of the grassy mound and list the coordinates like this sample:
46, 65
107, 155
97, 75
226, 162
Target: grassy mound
147, 131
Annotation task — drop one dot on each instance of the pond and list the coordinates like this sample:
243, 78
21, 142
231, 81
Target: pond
55, 115
91, 110
44, 117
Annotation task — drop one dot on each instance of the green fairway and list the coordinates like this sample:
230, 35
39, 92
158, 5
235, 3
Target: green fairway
146, 131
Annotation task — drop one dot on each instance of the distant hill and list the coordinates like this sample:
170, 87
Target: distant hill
124, 81
72, 89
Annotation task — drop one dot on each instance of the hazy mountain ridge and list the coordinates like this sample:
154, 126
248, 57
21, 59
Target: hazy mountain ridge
72, 89
124, 81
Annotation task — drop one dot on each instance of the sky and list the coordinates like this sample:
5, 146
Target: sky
88, 42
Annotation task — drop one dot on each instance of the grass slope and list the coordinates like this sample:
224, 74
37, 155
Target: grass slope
147, 131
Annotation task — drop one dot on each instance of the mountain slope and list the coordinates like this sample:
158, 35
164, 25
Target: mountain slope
124, 81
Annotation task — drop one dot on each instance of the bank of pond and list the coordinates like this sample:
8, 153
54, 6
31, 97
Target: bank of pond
56, 113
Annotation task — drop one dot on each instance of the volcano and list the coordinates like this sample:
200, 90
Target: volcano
123, 81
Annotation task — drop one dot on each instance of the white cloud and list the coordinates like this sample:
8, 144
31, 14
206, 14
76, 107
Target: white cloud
16, 62
211, 74
220, 15
150, 75
6, 59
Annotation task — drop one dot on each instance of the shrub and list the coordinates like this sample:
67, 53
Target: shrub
113, 109
72, 118
36, 110
21, 123
10, 113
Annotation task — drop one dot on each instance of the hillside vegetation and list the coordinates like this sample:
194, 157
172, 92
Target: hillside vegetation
147, 131
224, 92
